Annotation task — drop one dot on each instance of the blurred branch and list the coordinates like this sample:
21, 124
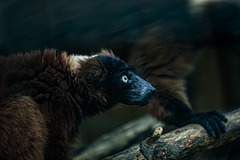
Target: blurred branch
181, 143
119, 139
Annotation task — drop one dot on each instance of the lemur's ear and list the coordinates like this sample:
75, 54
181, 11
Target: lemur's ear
96, 68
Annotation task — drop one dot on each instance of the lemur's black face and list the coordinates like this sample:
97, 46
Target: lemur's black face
124, 85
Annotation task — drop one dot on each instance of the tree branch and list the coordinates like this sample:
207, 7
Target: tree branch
182, 143
119, 139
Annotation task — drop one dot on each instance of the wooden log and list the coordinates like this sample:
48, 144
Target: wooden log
118, 139
181, 143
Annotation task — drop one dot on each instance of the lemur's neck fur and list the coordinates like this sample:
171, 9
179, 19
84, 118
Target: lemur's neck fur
75, 59
70, 65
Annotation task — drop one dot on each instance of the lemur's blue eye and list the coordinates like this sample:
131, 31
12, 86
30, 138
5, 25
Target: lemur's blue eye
124, 78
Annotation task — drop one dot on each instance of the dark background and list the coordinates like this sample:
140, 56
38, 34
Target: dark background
84, 26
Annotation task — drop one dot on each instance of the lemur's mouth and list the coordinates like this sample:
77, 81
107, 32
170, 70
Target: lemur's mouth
147, 96
145, 92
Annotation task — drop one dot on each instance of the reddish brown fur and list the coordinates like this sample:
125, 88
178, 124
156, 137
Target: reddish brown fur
22, 129
165, 66
42, 103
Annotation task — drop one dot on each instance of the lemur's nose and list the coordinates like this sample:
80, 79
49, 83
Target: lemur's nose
153, 90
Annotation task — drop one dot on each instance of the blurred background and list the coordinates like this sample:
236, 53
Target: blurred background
85, 26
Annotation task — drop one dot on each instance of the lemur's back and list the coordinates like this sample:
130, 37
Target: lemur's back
17, 68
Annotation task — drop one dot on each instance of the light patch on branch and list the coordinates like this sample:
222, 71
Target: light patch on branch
182, 143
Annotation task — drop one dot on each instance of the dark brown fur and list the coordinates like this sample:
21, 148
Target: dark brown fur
164, 65
42, 103
22, 129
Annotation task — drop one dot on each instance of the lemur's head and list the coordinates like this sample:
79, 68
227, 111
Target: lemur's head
110, 78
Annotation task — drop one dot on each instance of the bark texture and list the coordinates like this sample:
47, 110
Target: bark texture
118, 139
181, 143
